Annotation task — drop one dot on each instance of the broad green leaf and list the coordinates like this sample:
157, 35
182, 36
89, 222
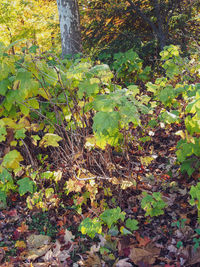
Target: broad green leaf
104, 103
5, 176
4, 87
134, 88
129, 113
25, 185
89, 87
105, 121
12, 160
50, 139
132, 224
49, 74
20, 134
11, 98
24, 109
90, 227
112, 216
33, 103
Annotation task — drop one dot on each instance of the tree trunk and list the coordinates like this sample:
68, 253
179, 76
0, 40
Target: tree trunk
69, 26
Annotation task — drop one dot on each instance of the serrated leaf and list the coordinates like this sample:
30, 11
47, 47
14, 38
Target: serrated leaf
132, 224
5, 176
112, 216
20, 134
134, 89
90, 227
50, 139
89, 87
12, 160
103, 121
25, 185
33, 103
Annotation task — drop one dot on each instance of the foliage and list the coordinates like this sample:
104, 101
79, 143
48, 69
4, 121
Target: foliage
110, 27
110, 217
90, 227
195, 197
153, 204
132, 224
53, 106
36, 21
183, 73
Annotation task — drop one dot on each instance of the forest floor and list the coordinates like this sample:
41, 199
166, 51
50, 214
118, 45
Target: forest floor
51, 238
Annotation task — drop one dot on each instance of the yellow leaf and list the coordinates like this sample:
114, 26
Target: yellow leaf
20, 244
146, 160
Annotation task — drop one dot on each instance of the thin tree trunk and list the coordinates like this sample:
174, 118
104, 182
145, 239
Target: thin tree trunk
69, 26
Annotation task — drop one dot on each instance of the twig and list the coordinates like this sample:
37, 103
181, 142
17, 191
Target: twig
29, 154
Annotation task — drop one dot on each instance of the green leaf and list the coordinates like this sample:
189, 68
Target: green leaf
132, 224
3, 131
20, 134
153, 204
89, 87
50, 75
50, 139
24, 109
112, 216
105, 121
12, 160
25, 185
129, 113
3, 197
90, 227
33, 103
134, 88
5, 176
125, 231
102, 71
4, 87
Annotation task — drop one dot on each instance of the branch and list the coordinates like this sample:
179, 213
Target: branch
143, 16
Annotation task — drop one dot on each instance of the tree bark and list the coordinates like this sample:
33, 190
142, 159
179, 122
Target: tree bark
69, 26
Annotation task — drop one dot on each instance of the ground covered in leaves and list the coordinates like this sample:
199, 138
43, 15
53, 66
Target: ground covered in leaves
51, 238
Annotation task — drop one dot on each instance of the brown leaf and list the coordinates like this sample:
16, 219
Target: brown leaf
23, 228
147, 255
93, 261
36, 241
33, 254
68, 236
143, 241
194, 256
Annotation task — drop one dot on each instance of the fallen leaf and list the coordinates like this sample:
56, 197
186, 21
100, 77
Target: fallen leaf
33, 254
147, 254
23, 228
68, 236
36, 241
194, 256
143, 241
58, 253
92, 261
123, 263
20, 244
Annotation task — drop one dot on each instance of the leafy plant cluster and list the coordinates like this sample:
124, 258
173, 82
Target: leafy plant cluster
66, 104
